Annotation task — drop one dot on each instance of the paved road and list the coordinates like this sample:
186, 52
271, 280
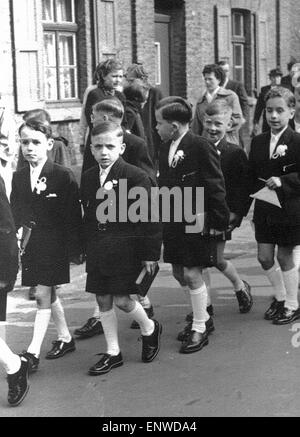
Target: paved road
249, 368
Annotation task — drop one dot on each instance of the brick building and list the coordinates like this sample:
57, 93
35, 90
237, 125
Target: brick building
49, 48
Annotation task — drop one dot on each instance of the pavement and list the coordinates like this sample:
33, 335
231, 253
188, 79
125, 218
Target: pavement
249, 369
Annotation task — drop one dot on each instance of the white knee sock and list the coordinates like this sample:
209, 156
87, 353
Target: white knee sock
59, 319
275, 277
144, 301
110, 327
140, 316
290, 279
233, 276
207, 280
41, 323
199, 303
96, 314
10, 361
296, 256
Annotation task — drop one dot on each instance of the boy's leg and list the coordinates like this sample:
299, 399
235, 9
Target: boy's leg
198, 293
265, 255
150, 329
42, 319
92, 326
147, 305
113, 357
64, 343
241, 288
291, 310
17, 374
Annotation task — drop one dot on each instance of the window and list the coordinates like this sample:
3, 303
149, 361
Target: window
60, 50
238, 46
157, 64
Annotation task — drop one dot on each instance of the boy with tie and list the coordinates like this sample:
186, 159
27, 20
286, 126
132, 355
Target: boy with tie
46, 194
116, 249
274, 161
189, 161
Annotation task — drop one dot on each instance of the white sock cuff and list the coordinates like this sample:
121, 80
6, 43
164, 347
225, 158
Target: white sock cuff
275, 267
107, 313
44, 311
199, 290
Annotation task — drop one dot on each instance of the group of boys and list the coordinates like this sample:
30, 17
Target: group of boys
116, 248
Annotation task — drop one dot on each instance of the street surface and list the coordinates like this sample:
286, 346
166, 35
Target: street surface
249, 368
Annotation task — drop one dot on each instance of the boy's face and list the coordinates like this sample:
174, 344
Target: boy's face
114, 79
35, 145
278, 114
216, 126
165, 128
107, 148
297, 107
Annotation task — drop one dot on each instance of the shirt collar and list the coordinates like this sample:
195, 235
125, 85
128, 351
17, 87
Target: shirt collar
277, 136
178, 140
39, 167
105, 170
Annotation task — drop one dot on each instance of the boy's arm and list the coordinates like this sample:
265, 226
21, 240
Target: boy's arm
15, 203
197, 125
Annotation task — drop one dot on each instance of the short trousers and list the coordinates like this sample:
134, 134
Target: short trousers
114, 285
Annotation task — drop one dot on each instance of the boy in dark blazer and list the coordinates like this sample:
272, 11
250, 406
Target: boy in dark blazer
189, 161
234, 165
116, 248
46, 194
274, 161
135, 153
16, 367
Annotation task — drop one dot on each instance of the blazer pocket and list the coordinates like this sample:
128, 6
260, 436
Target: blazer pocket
290, 167
189, 178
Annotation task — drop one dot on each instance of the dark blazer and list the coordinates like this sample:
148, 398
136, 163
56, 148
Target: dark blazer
239, 89
286, 167
286, 81
149, 121
234, 165
199, 168
260, 108
133, 112
115, 247
8, 240
56, 212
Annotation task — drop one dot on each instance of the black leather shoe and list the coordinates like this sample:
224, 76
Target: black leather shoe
92, 327
18, 385
60, 348
182, 335
287, 316
194, 343
106, 363
244, 298
274, 309
151, 343
32, 360
150, 314
209, 309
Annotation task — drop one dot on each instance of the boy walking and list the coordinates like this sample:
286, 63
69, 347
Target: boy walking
116, 249
275, 163
189, 161
46, 196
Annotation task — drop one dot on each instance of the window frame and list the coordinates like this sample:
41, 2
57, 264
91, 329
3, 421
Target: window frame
238, 41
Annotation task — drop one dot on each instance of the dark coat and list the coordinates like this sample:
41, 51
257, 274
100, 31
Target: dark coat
286, 81
239, 89
199, 168
149, 122
133, 114
234, 165
57, 214
286, 167
115, 247
8, 240
260, 108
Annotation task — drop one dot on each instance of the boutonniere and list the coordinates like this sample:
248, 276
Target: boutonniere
110, 185
41, 185
280, 151
178, 157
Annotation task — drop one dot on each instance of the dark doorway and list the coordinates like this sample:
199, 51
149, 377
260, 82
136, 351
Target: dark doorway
162, 53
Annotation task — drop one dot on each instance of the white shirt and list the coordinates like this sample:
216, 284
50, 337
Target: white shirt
274, 140
35, 173
210, 96
104, 173
173, 147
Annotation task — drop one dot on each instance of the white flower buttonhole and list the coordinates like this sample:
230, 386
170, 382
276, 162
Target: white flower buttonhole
178, 157
280, 151
110, 185
41, 185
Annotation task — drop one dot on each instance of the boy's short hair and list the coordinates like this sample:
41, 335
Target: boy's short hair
136, 91
217, 70
175, 108
284, 93
219, 106
112, 106
107, 127
37, 113
38, 125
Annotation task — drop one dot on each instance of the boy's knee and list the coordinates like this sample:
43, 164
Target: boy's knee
104, 302
265, 261
193, 277
123, 302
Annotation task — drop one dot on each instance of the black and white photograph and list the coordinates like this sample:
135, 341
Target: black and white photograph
149, 209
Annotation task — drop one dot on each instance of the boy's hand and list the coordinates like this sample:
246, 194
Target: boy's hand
234, 220
150, 266
3, 284
273, 183
215, 232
